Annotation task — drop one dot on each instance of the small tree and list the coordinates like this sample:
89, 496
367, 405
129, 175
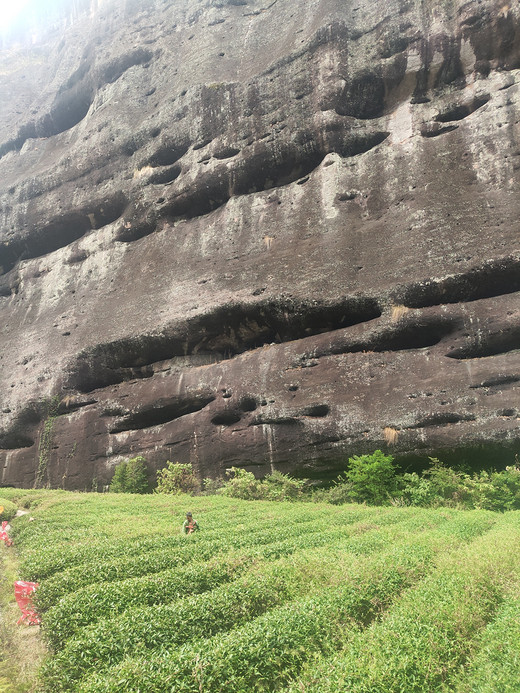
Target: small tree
118, 483
137, 475
371, 478
130, 476
177, 478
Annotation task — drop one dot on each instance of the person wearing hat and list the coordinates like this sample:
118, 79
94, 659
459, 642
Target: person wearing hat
190, 525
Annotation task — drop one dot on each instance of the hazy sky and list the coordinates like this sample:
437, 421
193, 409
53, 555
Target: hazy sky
9, 10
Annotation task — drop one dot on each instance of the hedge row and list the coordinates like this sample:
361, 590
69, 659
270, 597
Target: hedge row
265, 653
495, 665
201, 616
429, 634
268, 544
93, 602
51, 556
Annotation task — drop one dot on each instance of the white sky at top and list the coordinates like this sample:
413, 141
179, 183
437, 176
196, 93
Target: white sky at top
9, 11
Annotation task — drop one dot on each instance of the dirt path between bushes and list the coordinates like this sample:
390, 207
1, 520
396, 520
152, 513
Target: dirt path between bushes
21, 647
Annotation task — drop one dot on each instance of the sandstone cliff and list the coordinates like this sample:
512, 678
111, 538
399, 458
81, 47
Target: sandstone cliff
259, 233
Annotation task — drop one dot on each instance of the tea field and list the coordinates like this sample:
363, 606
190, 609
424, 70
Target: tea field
290, 597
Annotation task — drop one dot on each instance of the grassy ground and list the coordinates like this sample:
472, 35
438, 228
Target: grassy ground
292, 597
22, 648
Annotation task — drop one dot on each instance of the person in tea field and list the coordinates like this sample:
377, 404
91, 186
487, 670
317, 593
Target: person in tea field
190, 525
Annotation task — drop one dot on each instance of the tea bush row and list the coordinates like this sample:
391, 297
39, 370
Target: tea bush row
52, 557
195, 617
77, 608
284, 638
51, 534
93, 602
263, 587
286, 560
495, 663
177, 553
81, 565
8, 510
252, 545
46, 555
263, 653
255, 544
428, 634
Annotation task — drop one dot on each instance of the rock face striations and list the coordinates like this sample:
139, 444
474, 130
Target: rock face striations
260, 233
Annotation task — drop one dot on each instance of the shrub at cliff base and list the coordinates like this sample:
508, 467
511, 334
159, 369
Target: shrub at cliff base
275, 486
180, 478
371, 478
177, 478
130, 476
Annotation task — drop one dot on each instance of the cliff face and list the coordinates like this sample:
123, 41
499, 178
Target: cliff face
260, 233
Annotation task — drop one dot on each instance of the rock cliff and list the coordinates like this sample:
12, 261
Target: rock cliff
259, 233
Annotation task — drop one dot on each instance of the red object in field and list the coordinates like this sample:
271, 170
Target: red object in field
3, 534
23, 591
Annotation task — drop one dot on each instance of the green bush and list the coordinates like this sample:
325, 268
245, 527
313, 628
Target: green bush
498, 490
280, 487
130, 476
275, 486
8, 511
177, 478
338, 494
211, 486
371, 478
414, 490
444, 486
242, 484
448, 486
438, 486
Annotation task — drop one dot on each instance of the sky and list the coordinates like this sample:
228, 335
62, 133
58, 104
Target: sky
9, 11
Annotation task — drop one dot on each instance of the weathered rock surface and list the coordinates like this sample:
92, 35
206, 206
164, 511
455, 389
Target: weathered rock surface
257, 233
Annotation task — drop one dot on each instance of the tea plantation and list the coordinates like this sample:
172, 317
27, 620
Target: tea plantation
291, 597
